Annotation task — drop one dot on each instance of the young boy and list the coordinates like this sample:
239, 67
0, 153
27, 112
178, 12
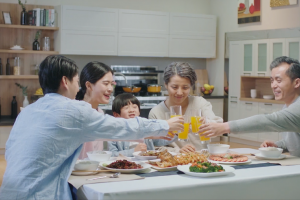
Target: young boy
128, 106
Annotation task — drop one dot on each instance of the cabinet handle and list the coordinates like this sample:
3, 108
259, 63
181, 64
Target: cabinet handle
268, 104
249, 103
262, 74
233, 101
247, 73
233, 97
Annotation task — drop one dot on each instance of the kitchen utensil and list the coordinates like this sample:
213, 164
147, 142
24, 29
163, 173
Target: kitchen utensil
268, 97
101, 170
154, 88
115, 175
253, 93
131, 89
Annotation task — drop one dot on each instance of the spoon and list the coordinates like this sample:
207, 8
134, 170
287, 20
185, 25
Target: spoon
115, 175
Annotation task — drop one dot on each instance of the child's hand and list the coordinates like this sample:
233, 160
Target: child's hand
140, 147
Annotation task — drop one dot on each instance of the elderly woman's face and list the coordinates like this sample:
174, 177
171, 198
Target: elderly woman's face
179, 89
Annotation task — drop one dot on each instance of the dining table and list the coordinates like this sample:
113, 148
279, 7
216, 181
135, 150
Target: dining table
260, 179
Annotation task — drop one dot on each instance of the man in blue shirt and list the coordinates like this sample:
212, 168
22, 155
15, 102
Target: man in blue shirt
47, 136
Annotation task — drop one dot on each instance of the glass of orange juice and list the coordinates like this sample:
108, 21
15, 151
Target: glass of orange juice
175, 111
205, 139
168, 116
183, 136
195, 121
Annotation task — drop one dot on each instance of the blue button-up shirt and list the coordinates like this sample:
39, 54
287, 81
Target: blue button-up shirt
46, 140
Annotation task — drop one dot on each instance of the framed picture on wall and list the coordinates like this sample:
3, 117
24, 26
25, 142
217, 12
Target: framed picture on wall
6, 17
277, 3
248, 11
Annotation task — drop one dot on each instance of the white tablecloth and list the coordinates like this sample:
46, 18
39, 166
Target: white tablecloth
276, 182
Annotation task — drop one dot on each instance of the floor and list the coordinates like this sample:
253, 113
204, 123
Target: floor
3, 162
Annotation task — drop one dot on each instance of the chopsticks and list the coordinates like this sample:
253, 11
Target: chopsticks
93, 170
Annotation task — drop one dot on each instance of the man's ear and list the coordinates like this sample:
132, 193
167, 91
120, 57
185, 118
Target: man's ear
116, 114
297, 82
64, 82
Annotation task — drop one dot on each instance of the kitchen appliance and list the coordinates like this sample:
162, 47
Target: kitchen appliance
136, 76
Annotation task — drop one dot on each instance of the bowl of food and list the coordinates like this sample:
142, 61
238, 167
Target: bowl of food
269, 97
271, 152
99, 155
86, 165
218, 148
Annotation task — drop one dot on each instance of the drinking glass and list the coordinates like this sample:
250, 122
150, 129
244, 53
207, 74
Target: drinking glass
168, 116
204, 139
175, 111
46, 44
195, 121
183, 136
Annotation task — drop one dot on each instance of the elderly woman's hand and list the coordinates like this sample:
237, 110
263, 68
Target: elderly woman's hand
214, 129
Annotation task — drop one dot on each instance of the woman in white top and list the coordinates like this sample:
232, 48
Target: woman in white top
179, 78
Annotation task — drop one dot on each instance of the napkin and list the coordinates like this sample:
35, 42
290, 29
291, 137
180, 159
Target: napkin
78, 181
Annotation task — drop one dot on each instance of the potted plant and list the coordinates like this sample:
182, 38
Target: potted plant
36, 44
23, 13
24, 92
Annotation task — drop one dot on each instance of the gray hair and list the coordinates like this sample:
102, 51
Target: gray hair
293, 71
182, 69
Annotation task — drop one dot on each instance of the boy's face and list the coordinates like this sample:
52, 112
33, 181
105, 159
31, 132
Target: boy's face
129, 111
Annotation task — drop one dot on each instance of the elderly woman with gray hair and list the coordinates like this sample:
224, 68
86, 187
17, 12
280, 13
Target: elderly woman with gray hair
179, 78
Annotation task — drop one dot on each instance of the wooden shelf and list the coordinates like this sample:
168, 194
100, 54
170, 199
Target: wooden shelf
28, 27
19, 77
29, 52
262, 100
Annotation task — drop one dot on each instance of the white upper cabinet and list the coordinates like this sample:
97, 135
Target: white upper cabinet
138, 44
277, 48
192, 35
135, 21
261, 57
89, 18
248, 58
292, 47
193, 24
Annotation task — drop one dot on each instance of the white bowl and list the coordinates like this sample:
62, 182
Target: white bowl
218, 148
268, 97
86, 165
99, 155
271, 152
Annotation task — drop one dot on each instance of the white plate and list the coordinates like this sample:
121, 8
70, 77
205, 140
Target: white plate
230, 163
137, 156
259, 155
83, 173
186, 169
12, 48
126, 171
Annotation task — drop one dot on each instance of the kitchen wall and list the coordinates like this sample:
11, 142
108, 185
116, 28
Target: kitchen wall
226, 11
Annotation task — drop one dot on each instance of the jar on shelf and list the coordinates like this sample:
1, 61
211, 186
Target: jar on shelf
46, 44
17, 66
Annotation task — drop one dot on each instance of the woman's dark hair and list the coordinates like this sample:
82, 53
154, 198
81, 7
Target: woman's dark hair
123, 100
182, 69
52, 69
92, 72
293, 71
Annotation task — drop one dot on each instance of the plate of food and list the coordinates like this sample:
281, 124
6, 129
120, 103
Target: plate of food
145, 155
168, 162
125, 166
205, 169
229, 158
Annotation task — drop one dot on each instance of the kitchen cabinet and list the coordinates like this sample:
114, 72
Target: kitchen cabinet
293, 47
89, 43
137, 21
248, 58
268, 108
261, 57
192, 35
87, 30
248, 109
142, 44
277, 48
217, 106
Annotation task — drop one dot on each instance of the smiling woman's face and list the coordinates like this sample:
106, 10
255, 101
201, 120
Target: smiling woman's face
102, 89
178, 89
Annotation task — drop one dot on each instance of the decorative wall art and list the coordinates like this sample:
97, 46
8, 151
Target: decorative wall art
248, 11
277, 3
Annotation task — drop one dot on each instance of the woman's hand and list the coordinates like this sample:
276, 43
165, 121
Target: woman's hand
140, 147
214, 129
268, 143
187, 148
176, 123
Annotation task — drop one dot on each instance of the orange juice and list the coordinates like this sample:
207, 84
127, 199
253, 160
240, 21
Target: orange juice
203, 138
184, 135
195, 124
172, 117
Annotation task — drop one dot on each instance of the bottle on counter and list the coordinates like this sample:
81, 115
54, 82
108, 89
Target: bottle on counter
14, 108
8, 67
17, 66
1, 68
